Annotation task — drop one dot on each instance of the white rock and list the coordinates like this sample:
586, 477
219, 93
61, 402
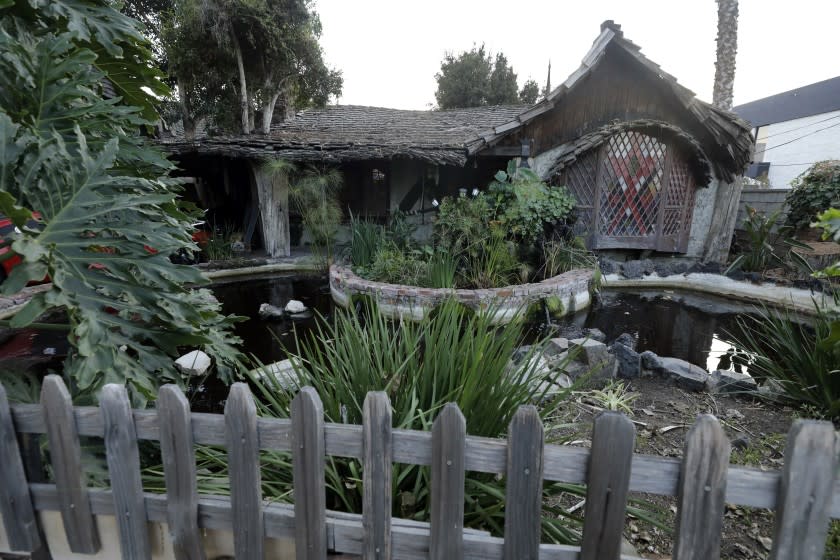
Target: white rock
194, 363
282, 371
295, 306
268, 311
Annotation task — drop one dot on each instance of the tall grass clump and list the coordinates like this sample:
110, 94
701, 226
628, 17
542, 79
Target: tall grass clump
454, 355
365, 238
801, 358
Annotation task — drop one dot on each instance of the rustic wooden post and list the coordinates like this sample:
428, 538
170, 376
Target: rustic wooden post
66, 458
124, 472
523, 498
15, 504
308, 464
378, 449
805, 491
176, 448
608, 480
702, 489
243, 451
449, 437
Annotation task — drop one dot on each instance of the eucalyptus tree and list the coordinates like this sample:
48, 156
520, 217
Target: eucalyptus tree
264, 51
110, 215
474, 78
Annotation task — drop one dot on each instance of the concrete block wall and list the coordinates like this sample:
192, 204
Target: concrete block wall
763, 200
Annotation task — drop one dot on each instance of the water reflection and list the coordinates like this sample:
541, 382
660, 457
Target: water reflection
694, 329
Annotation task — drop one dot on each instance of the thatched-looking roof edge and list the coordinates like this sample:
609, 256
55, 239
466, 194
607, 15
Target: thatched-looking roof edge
568, 153
456, 156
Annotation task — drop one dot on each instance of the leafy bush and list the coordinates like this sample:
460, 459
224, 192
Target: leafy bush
813, 191
763, 236
462, 221
395, 266
526, 206
453, 355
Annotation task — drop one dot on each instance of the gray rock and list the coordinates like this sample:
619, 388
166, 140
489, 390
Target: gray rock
268, 311
627, 340
650, 362
596, 334
637, 269
629, 361
193, 363
608, 265
684, 374
555, 347
588, 351
520, 353
733, 382
670, 267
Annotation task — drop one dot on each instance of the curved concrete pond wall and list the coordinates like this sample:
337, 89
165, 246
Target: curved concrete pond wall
563, 294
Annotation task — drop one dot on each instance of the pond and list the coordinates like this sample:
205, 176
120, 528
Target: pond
693, 328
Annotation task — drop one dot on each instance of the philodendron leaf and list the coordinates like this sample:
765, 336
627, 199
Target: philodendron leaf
19, 216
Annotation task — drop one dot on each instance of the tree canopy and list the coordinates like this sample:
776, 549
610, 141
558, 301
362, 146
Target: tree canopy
475, 78
109, 214
251, 54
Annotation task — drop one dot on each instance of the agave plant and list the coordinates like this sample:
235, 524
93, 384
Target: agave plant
110, 215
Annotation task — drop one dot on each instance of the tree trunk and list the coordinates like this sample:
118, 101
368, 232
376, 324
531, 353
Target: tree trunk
243, 86
727, 47
186, 111
273, 194
268, 113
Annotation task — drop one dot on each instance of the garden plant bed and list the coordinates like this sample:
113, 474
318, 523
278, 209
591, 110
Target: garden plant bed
663, 413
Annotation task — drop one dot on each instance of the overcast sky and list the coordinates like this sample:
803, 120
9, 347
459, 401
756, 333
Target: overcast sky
390, 50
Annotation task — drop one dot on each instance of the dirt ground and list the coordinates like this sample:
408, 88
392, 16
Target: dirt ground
663, 413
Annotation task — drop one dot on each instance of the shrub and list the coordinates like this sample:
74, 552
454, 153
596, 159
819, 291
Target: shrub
395, 266
526, 206
462, 221
813, 191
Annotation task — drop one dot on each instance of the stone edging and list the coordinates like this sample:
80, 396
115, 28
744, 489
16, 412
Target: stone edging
795, 299
563, 294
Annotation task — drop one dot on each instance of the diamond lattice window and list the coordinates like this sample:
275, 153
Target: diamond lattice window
635, 191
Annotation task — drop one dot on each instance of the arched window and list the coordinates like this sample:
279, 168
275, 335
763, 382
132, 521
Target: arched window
634, 191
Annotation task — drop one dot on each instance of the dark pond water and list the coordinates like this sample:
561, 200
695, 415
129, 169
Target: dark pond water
268, 340
693, 328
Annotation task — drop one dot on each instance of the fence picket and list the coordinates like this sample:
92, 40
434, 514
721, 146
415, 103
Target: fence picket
176, 448
124, 472
243, 451
700, 503
15, 504
449, 434
523, 499
805, 491
608, 480
308, 464
66, 457
376, 506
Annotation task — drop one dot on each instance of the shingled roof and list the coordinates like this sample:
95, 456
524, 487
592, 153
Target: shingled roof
729, 145
353, 132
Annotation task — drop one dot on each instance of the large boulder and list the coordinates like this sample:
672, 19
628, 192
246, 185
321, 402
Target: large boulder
593, 358
684, 374
651, 363
733, 382
629, 361
555, 347
637, 269
626, 339
193, 363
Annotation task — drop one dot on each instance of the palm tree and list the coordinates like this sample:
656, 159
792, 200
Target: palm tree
727, 47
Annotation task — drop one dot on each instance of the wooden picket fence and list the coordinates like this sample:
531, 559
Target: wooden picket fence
804, 494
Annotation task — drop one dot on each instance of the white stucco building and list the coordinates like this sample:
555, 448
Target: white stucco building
793, 130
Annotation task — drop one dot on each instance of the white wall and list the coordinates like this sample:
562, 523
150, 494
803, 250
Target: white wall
815, 146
